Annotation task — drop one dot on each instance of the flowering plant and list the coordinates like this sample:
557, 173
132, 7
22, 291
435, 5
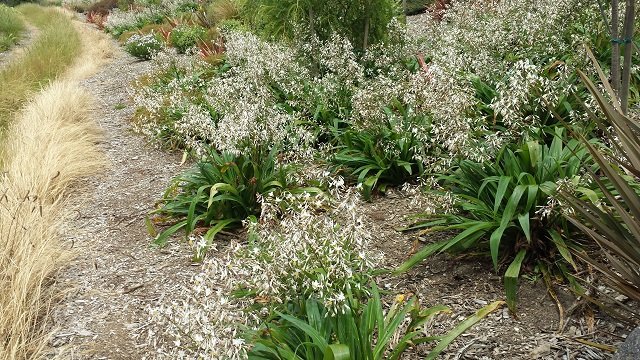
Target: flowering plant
505, 207
144, 46
224, 189
307, 255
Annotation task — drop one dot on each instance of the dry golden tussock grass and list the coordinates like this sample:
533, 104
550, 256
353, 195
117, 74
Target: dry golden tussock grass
49, 145
97, 48
52, 144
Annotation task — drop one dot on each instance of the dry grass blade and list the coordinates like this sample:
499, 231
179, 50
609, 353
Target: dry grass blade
51, 145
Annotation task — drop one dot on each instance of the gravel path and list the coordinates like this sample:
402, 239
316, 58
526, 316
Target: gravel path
116, 274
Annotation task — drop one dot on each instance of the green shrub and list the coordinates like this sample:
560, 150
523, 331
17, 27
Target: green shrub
184, 37
223, 190
505, 208
363, 22
11, 27
144, 46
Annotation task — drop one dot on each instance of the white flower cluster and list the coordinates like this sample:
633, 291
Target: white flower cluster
305, 255
311, 255
506, 44
250, 115
172, 91
271, 86
481, 37
525, 91
204, 325
150, 41
173, 5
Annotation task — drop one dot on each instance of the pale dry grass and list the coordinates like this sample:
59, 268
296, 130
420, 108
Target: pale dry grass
49, 145
52, 142
97, 49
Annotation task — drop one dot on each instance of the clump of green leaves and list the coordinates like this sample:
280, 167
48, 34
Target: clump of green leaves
389, 153
184, 37
505, 206
222, 191
363, 332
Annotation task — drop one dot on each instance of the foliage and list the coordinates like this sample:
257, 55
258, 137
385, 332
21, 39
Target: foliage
506, 207
612, 221
363, 332
390, 153
363, 22
11, 27
185, 37
223, 190
102, 7
144, 46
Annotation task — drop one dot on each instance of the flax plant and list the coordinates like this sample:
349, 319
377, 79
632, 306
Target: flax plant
612, 220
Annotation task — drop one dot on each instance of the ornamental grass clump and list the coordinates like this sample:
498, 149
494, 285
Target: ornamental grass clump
11, 27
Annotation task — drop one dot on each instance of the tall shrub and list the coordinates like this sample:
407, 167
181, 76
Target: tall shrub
363, 22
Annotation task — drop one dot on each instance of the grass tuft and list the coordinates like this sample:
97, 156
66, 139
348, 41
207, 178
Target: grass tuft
11, 27
48, 144
47, 58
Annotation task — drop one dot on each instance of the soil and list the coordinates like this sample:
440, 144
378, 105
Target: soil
117, 275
